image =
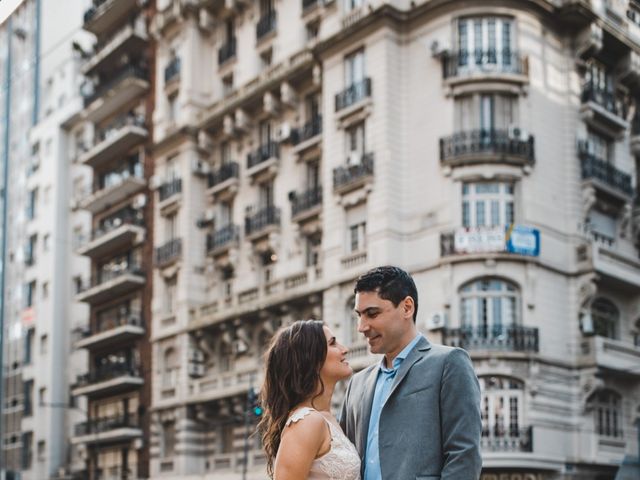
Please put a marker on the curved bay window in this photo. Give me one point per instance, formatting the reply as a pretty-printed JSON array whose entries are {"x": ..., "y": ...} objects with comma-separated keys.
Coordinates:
[
  {"x": 485, "y": 43},
  {"x": 489, "y": 306},
  {"x": 605, "y": 317},
  {"x": 501, "y": 410},
  {"x": 607, "y": 410}
]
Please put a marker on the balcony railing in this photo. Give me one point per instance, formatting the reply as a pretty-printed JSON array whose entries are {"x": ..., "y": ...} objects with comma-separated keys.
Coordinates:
[
  {"x": 487, "y": 142},
  {"x": 172, "y": 71},
  {"x": 227, "y": 51},
  {"x": 308, "y": 3},
  {"x": 91, "y": 12},
  {"x": 309, "y": 130},
  {"x": 130, "y": 71},
  {"x": 128, "y": 120},
  {"x": 260, "y": 220},
  {"x": 115, "y": 223},
  {"x": 301, "y": 202},
  {"x": 170, "y": 188},
  {"x": 168, "y": 252},
  {"x": 263, "y": 153},
  {"x": 112, "y": 322},
  {"x": 513, "y": 338},
  {"x": 511, "y": 439},
  {"x": 606, "y": 99},
  {"x": 107, "y": 372},
  {"x": 348, "y": 174},
  {"x": 105, "y": 424},
  {"x": 490, "y": 61},
  {"x": 115, "y": 473},
  {"x": 593, "y": 167},
  {"x": 104, "y": 276},
  {"x": 222, "y": 237},
  {"x": 266, "y": 24},
  {"x": 225, "y": 172},
  {"x": 353, "y": 94}
]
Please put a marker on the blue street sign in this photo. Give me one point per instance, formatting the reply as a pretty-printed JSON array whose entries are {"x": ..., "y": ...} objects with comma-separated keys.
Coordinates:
[{"x": 523, "y": 240}]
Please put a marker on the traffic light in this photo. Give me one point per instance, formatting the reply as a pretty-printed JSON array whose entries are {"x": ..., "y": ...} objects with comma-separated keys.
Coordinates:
[{"x": 254, "y": 404}]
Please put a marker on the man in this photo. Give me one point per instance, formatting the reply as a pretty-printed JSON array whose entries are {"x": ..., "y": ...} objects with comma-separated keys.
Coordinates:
[{"x": 416, "y": 414}]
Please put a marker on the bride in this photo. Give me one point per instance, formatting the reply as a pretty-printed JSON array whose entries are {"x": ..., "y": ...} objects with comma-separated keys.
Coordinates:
[{"x": 301, "y": 437}]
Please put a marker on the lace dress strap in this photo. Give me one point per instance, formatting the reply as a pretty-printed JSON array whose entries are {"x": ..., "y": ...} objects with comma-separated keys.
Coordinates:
[{"x": 299, "y": 414}]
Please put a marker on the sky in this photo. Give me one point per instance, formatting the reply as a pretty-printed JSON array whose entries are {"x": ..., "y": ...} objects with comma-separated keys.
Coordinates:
[{"x": 6, "y": 7}]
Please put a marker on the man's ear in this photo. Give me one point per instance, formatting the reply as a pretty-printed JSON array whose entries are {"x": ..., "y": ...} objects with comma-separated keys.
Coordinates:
[{"x": 408, "y": 307}]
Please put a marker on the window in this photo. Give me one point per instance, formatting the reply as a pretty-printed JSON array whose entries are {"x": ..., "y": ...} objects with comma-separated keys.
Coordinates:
[
  {"x": 605, "y": 317},
  {"x": 168, "y": 438},
  {"x": 169, "y": 371},
  {"x": 32, "y": 202},
  {"x": 501, "y": 407},
  {"x": 172, "y": 103},
  {"x": 355, "y": 143},
  {"x": 171, "y": 227},
  {"x": 485, "y": 42},
  {"x": 45, "y": 290},
  {"x": 354, "y": 68},
  {"x": 27, "y": 450},
  {"x": 42, "y": 450},
  {"x": 227, "y": 85},
  {"x": 485, "y": 112},
  {"x": 607, "y": 409},
  {"x": 597, "y": 77},
  {"x": 356, "y": 229},
  {"x": 226, "y": 438},
  {"x": 30, "y": 294},
  {"x": 264, "y": 133},
  {"x": 487, "y": 204},
  {"x": 28, "y": 346},
  {"x": 603, "y": 227},
  {"x": 229, "y": 29},
  {"x": 599, "y": 146},
  {"x": 30, "y": 250},
  {"x": 44, "y": 343},
  {"x": 266, "y": 7},
  {"x": 171, "y": 293},
  {"x": 42, "y": 395},
  {"x": 266, "y": 194},
  {"x": 28, "y": 398},
  {"x": 225, "y": 153},
  {"x": 352, "y": 4},
  {"x": 488, "y": 307},
  {"x": 312, "y": 106},
  {"x": 46, "y": 242},
  {"x": 313, "y": 246}
]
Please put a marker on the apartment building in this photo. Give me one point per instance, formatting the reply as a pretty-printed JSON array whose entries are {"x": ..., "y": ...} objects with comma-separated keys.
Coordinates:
[
  {"x": 490, "y": 149},
  {"x": 111, "y": 134}
]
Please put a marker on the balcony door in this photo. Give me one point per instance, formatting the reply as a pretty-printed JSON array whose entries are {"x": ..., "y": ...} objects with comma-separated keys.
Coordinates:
[
  {"x": 485, "y": 43},
  {"x": 488, "y": 307},
  {"x": 501, "y": 407},
  {"x": 354, "y": 68}
]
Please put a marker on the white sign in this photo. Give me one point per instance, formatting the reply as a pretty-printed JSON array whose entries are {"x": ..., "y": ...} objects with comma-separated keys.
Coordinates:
[{"x": 479, "y": 240}]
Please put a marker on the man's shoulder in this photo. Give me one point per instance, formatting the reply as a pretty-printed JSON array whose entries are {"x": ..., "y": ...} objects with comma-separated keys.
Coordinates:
[{"x": 360, "y": 377}]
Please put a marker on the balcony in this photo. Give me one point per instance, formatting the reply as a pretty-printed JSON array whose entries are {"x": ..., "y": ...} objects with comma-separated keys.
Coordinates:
[
  {"x": 353, "y": 94},
  {"x": 112, "y": 379},
  {"x": 169, "y": 189},
  {"x": 261, "y": 223},
  {"x": 111, "y": 284},
  {"x": 121, "y": 232},
  {"x": 222, "y": 385},
  {"x": 108, "y": 430},
  {"x": 306, "y": 204},
  {"x": 113, "y": 331},
  {"x": 227, "y": 51},
  {"x": 224, "y": 180},
  {"x": 168, "y": 253},
  {"x": 507, "y": 440},
  {"x": 130, "y": 39},
  {"x": 103, "y": 15},
  {"x": 220, "y": 241},
  {"x": 308, "y": 135},
  {"x": 604, "y": 176},
  {"x": 267, "y": 24},
  {"x": 615, "y": 358},
  {"x": 115, "y": 93},
  {"x": 354, "y": 174},
  {"x": 119, "y": 189},
  {"x": 115, "y": 472},
  {"x": 487, "y": 146},
  {"x": 485, "y": 65},
  {"x": 263, "y": 158},
  {"x": 117, "y": 139},
  {"x": 604, "y": 109},
  {"x": 513, "y": 338}
]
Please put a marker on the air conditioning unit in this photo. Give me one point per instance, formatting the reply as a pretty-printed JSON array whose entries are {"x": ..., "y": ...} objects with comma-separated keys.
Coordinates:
[
  {"x": 196, "y": 356},
  {"x": 436, "y": 321},
  {"x": 200, "y": 167},
  {"x": 517, "y": 133},
  {"x": 284, "y": 132},
  {"x": 239, "y": 347},
  {"x": 206, "y": 219},
  {"x": 354, "y": 158},
  {"x": 195, "y": 370}
]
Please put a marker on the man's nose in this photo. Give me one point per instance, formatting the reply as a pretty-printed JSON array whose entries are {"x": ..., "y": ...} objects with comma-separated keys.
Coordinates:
[{"x": 363, "y": 326}]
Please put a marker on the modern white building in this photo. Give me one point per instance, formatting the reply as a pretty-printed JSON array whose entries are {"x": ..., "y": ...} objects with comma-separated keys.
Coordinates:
[{"x": 488, "y": 148}]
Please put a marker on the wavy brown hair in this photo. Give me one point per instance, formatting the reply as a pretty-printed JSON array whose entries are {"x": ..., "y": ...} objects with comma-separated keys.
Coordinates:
[{"x": 292, "y": 375}]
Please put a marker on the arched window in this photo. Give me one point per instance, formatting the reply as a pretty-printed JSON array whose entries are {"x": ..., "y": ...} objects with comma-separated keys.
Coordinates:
[
  {"x": 607, "y": 410},
  {"x": 170, "y": 366},
  {"x": 605, "y": 317},
  {"x": 488, "y": 306},
  {"x": 502, "y": 408}
]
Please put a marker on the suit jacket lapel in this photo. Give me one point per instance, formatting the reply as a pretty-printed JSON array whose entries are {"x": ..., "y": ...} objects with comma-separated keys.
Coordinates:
[
  {"x": 414, "y": 355},
  {"x": 367, "y": 402}
]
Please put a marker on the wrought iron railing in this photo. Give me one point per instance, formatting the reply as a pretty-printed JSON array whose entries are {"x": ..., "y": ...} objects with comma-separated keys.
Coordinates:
[
  {"x": 487, "y": 142},
  {"x": 169, "y": 251},
  {"x": 465, "y": 62},
  {"x": 301, "y": 202},
  {"x": 507, "y": 439},
  {"x": 514, "y": 338},
  {"x": 605, "y": 98},
  {"x": 263, "y": 218},
  {"x": 104, "y": 276},
  {"x": 353, "y": 94},
  {"x": 225, "y": 172},
  {"x": 347, "y": 174},
  {"x": 307, "y": 131},
  {"x": 105, "y": 324},
  {"x": 593, "y": 167},
  {"x": 227, "y": 51},
  {"x": 127, "y": 72},
  {"x": 105, "y": 424},
  {"x": 170, "y": 188},
  {"x": 222, "y": 237},
  {"x": 263, "y": 153},
  {"x": 107, "y": 372}
]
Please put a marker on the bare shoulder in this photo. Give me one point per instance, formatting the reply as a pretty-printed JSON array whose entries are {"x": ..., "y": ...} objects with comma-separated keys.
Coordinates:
[{"x": 305, "y": 424}]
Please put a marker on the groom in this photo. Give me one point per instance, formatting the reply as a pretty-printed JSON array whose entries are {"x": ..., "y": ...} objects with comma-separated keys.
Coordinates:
[{"x": 416, "y": 414}]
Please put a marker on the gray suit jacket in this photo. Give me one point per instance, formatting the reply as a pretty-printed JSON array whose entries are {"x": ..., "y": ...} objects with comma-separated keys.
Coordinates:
[{"x": 430, "y": 426}]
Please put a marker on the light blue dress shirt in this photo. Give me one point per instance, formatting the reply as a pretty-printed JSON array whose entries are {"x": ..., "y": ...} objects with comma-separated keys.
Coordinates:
[{"x": 384, "y": 382}]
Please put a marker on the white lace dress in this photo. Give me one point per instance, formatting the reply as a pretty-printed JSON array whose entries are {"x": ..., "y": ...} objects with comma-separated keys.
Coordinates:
[{"x": 341, "y": 462}]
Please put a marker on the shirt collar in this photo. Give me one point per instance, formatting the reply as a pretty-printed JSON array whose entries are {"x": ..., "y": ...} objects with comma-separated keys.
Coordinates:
[{"x": 401, "y": 356}]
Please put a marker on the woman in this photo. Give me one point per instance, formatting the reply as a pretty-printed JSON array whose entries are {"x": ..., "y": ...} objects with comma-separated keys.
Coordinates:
[{"x": 300, "y": 436}]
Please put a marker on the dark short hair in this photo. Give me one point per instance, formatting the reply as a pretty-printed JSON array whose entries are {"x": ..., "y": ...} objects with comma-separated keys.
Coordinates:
[{"x": 390, "y": 283}]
